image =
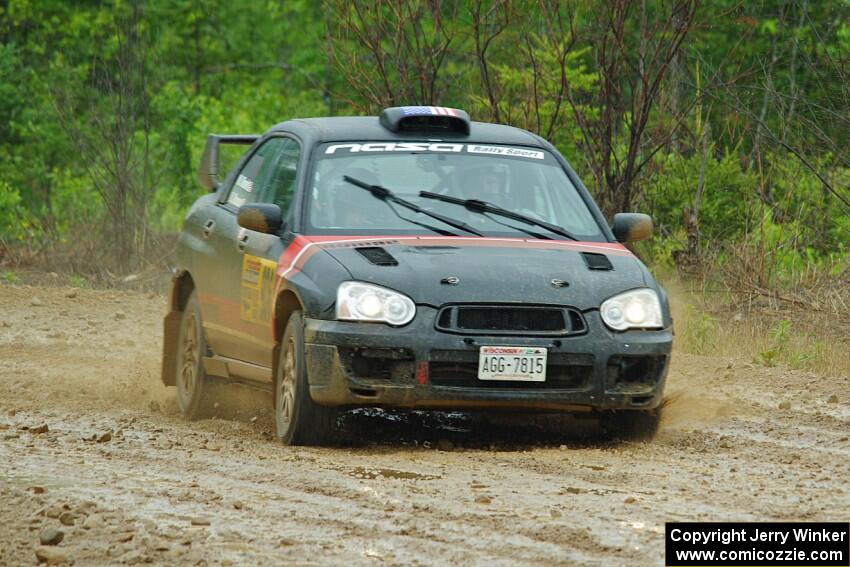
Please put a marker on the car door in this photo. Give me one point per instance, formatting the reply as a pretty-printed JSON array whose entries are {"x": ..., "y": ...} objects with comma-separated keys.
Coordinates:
[
  {"x": 227, "y": 333},
  {"x": 261, "y": 254}
]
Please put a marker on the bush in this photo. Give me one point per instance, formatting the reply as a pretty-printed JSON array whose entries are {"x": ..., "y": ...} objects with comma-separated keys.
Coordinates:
[{"x": 14, "y": 221}]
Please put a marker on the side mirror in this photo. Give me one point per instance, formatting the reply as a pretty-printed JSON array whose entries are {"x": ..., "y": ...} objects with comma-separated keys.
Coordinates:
[
  {"x": 630, "y": 227},
  {"x": 261, "y": 217}
]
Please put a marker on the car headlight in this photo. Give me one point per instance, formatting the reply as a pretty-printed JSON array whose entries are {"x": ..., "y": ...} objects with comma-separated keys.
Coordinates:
[
  {"x": 358, "y": 301},
  {"x": 635, "y": 309}
]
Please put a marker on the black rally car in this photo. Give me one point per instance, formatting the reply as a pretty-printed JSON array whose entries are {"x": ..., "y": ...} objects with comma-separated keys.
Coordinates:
[{"x": 415, "y": 260}]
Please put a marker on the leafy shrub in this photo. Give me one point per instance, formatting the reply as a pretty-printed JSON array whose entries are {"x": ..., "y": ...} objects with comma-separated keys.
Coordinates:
[
  {"x": 14, "y": 219},
  {"x": 779, "y": 335}
]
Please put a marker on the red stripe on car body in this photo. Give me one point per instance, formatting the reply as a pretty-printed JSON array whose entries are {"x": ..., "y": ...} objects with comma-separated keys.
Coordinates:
[{"x": 303, "y": 247}]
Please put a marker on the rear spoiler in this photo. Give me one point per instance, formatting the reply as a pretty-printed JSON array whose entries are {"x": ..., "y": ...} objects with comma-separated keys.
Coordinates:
[{"x": 208, "y": 170}]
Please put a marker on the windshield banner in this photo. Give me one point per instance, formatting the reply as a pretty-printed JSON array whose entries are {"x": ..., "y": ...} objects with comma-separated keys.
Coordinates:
[{"x": 439, "y": 147}]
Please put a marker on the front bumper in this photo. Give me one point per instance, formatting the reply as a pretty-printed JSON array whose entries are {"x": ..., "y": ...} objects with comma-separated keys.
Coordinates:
[{"x": 417, "y": 366}]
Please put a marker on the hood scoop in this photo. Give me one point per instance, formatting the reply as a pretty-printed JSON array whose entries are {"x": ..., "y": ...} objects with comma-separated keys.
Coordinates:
[
  {"x": 596, "y": 261},
  {"x": 377, "y": 255}
]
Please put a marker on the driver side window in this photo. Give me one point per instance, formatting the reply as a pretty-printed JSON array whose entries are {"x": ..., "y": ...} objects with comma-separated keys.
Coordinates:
[
  {"x": 279, "y": 186},
  {"x": 254, "y": 174}
]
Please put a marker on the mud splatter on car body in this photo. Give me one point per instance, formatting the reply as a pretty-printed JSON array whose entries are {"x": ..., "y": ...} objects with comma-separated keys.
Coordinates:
[{"x": 416, "y": 260}]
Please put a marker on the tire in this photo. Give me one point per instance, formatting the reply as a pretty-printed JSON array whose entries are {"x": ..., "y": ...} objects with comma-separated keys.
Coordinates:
[
  {"x": 192, "y": 384},
  {"x": 630, "y": 425},
  {"x": 298, "y": 419}
]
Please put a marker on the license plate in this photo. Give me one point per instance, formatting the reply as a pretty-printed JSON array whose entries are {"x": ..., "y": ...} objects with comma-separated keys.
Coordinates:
[{"x": 522, "y": 364}]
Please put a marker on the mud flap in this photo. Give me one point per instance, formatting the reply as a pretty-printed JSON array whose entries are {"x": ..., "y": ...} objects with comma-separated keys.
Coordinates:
[{"x": 170, "y": 336}]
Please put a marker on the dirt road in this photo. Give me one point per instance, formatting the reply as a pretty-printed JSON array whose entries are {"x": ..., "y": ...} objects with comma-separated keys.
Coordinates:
[{"x": 91, "y": 443}]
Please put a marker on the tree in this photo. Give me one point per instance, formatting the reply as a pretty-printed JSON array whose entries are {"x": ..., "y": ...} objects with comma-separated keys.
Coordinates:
[
  {"x": 393, "y": 53},
  {"x": 633, "y": 47},
  {"x": 114, "y": 138}
]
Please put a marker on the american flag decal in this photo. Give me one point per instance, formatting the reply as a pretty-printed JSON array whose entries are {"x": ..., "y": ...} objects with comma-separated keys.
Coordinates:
[{"x": 428, "y": 111}]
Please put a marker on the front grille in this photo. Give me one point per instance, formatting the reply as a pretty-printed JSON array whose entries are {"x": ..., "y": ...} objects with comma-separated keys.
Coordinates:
[
  {"x": 563, "y": 372},
  {"x": 486, "y": 319},
  {"x": 510, "y": 320}
]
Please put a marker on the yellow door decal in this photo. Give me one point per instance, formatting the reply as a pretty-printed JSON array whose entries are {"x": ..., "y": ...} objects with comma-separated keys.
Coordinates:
[{"x": 257, "y": 287}]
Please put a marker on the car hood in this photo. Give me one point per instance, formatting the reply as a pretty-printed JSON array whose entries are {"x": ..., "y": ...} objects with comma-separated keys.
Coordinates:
[{"x": 489, "y": 270}]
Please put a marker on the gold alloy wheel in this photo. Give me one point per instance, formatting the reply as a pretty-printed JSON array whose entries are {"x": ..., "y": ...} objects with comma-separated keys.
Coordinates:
[
  {"x": 190, "y": 355},
  {"x": 286, "y": 388}
]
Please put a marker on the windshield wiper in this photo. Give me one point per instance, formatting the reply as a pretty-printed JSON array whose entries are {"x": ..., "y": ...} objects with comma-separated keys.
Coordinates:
[
  {"x": 482, "y": 207},
  {"x": 388, "y": 196},
  {"x": 528, "y": 231}
]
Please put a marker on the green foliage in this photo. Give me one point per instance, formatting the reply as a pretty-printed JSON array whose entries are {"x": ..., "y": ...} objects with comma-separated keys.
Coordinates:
[
  {"x": 721, "y": 211},
  {"x": 518, "y": 106},
  {"x": 802, "y": 231},
  {"x": 13, "y": 225},
  {"x": 796, "y": 349},
  {"x": 191, "y": 68},
  {"x": 10, "y": 277},
  {"x": 779, "y": 335}
]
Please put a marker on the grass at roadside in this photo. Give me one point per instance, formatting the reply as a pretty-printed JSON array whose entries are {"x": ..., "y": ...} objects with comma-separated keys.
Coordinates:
[
  {"x": 764, "y": 331},
  {"x": 79, "y": 264}
]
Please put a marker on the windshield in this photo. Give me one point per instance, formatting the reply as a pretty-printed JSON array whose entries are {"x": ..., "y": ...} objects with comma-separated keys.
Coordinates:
[{"x": 528, "y": 181}]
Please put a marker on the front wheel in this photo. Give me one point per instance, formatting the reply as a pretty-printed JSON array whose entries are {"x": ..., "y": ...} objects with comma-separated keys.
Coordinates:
[
  {"x": 298, "y": 419},
  {"x": 191, "y": 380}
]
